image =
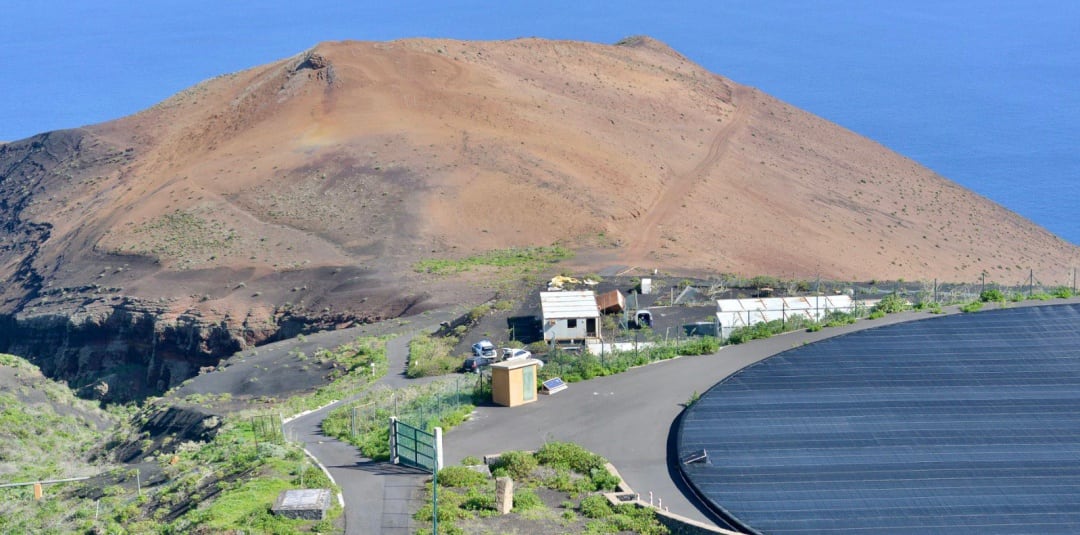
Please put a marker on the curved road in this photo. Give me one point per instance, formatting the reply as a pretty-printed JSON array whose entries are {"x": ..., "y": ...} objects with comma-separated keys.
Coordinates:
[
  {"x": 629, "y": 418},
  {"x": 377, "y": 495}
]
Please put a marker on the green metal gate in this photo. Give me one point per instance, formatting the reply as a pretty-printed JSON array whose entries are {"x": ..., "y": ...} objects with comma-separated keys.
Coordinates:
[{"x": 413, "y": 447}]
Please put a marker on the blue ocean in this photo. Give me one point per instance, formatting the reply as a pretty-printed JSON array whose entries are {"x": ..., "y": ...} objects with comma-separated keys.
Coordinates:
[{"x": 987, "y": 93}]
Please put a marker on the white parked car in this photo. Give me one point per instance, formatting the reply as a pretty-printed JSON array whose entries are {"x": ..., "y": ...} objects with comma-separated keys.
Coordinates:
[{"x": 510, "y": 353}]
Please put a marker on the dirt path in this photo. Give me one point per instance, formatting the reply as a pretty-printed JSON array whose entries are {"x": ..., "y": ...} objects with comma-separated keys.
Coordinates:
[{"x": 671, "y": 197}]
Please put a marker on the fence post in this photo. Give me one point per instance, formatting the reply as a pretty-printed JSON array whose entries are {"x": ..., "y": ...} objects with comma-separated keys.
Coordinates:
[{"x": 393, "y": 440}]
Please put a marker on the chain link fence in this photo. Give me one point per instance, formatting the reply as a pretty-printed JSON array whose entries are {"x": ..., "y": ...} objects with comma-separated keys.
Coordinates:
[{"x": 422, "y": 406}]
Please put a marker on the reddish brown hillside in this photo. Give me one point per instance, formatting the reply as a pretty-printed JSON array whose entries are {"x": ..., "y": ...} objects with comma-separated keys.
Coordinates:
[
  {"x": 314, "y": 184},
  {"x": 356, "y": 152}
]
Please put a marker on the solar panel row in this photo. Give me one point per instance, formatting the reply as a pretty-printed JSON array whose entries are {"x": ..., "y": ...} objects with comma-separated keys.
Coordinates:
[{"x": 957, "y": 424}]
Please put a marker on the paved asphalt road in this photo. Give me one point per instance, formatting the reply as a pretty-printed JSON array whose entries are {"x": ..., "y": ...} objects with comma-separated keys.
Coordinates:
[
  {"x": 378, "y": 496},
  {"x": 630, "y": 418}
]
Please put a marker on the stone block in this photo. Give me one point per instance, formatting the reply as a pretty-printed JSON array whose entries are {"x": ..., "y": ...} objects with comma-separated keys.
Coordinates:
[
  {"x": 306, "y": 504},
  {"x": 504, "y": 495}
]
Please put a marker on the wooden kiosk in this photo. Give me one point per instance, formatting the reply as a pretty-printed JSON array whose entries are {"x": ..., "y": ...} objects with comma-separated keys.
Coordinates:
[{"x": 513, "y": 382}]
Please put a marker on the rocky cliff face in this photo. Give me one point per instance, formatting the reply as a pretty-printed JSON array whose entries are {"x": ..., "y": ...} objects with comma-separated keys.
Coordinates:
[
  {"x": 119, "y": 326},
  {"x": 117, "y": 353},
  {"x": 131, "y": 350}
]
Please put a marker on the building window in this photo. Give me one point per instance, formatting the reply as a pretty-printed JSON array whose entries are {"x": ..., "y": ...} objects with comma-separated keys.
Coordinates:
[{"x": 571, "y": 324}]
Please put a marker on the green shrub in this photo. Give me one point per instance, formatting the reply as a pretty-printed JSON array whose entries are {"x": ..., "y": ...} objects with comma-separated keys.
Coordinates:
[
  {"x": 694, "y": 397},
  {"x": 563, "y": 481},
  {"x": 519, "y": 465},
  {"x": 376, "y": 444},
  {"x": 595, "y": 506},
  {"x": 838, "y": 319},
  {"x": 991, "y": 295},
  {"x": 704, "y": 345},
  {"x": 891, "y": 304},
  {"x": 634, "y": 519},
  {"x": 603, "y": 480},
  {"x": 973, "y": 306},
  {"x": 770, "y": 328},
  {"x": 451, "y": 508},
  {"x": 478, "y": 500},
  {"x": 570, "y": 456},
  {"x": 526, "y": 499},
  {"x": 1062, "y": 292},
  {"x": 877, "y": 314},
  {"x": 764, "y": 281},
  {"x": 461, "y": 477},
  {"x": 471, "y": 461}
]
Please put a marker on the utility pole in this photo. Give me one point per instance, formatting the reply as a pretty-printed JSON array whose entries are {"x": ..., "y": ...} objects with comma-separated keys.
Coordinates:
[
  {"x": 1031, "y": 282},
  {"x": 817, "y": 298}
]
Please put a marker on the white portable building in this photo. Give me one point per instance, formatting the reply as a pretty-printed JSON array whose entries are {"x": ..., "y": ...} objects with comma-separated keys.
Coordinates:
[{"x": 570, "y": 316}]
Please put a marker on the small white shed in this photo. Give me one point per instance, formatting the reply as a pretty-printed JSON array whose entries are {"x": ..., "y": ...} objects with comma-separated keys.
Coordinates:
[{"x": 570, "y": 316}]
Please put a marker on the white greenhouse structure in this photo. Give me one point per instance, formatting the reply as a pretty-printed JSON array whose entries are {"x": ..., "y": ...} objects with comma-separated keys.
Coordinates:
[{"x": 734, "y": 313}]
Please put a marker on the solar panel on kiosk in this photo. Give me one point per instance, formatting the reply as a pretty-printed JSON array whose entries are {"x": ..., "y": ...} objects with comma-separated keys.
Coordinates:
[{"x": 957, "y": 424}]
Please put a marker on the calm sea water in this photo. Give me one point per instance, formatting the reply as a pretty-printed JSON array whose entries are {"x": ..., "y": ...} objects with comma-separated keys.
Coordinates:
[{"x": 986, "y": 93}]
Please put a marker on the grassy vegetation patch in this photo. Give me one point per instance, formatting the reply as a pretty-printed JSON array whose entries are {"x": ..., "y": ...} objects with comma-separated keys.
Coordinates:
[
  {"x": 467, "y": 498},
  {"x": 445, "y": 403},
  {"x": 431, "y": 355},
  {"x": 573, "y": 367},
  {"x": 184, "y": 235},
  {"x": 45, "y": 430},
  {"x": 525, "y": 257}
]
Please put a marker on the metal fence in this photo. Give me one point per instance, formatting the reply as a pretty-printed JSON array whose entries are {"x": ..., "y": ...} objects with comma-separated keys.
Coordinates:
[{"x": 419, "y": 406}]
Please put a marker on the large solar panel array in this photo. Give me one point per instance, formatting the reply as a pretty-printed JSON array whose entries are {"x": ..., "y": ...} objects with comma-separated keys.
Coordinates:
[{"x": 958, "y": 424}]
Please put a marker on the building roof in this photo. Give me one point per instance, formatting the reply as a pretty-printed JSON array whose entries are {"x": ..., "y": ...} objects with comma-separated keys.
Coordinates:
[
  {"x": 517, "y": 363},
  {"x": 569, "y": 305}
]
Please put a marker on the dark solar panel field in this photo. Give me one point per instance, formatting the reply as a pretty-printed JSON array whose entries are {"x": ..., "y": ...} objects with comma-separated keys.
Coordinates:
[{"x": 959, "y": 424}]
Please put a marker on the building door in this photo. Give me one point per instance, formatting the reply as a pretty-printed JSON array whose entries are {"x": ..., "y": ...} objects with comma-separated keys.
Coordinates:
[
  {"x": 590, "y": 327},
  {"x": 528, "y": 383}
]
